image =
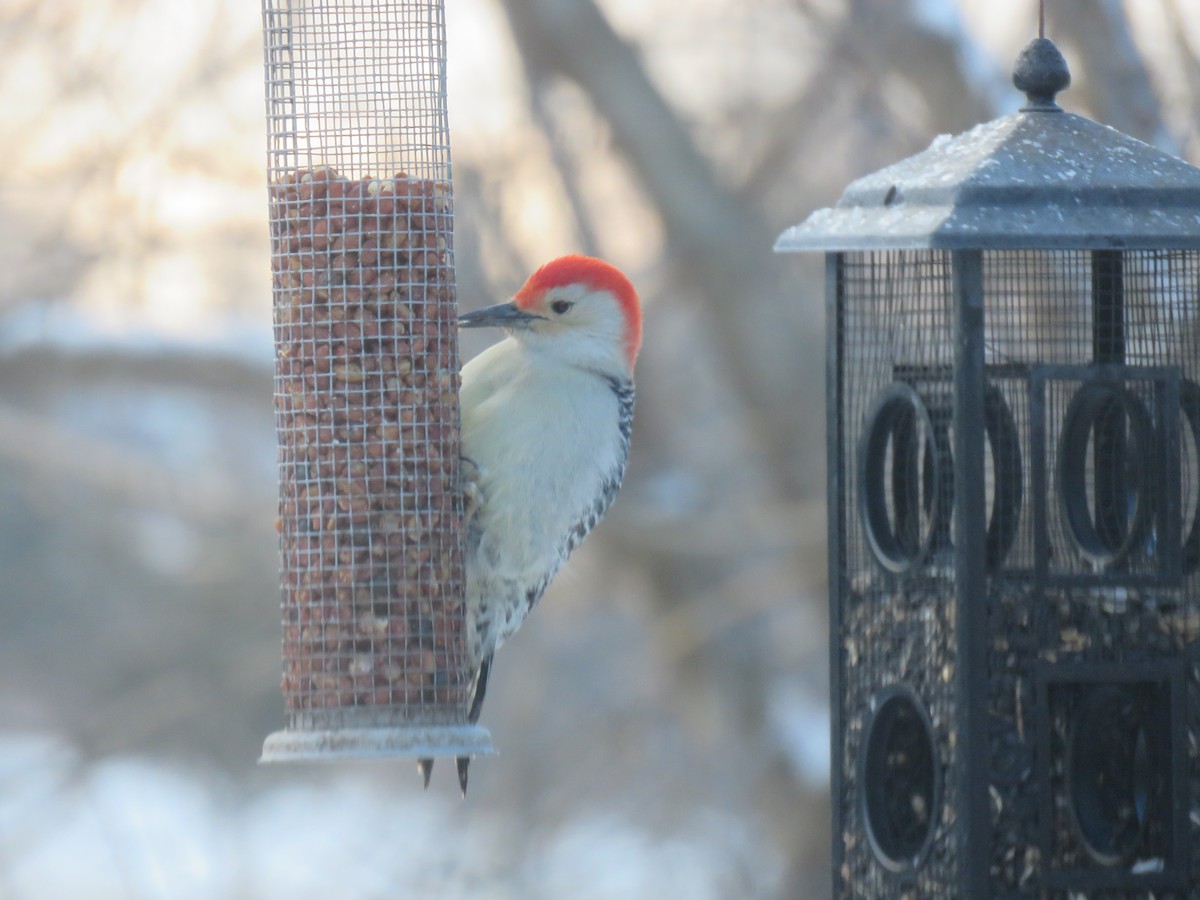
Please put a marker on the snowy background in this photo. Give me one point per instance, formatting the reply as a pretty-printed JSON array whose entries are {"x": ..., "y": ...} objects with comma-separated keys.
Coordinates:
[{"x": 661, "y": 721}]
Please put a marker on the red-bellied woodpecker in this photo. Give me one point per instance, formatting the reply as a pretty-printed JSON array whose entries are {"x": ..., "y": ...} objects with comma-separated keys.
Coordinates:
[{"x": 546, "y": 417}]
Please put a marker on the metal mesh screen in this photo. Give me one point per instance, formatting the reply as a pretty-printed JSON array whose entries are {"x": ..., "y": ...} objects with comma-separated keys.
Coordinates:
[
  {"x": 366, "y": 386},
  {"x": 1106, "y": 348},
  {"x": 1091, "y": 470},
  {"x": 1098, "y": 602},
  {"x": 897, "y": 626}
]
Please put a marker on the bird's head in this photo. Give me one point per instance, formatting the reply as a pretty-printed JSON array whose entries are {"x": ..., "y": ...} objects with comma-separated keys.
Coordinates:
[{"x": 580, "y": 309}]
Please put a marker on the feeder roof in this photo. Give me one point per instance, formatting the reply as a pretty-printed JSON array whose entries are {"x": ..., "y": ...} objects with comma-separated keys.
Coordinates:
[{"x": 1037, "y": 179}]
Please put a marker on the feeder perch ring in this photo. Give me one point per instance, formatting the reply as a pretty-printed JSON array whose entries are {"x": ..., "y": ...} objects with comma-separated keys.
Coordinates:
[
  {"x": 1001, "y": 430},
  {"x": 1110, "y": 775},
  {"x": 1189, "y": 402},
  {"x": 899, "y": 417},
  {"x": 1092, "y": 401},
  {"x": 900, "y": 778}
]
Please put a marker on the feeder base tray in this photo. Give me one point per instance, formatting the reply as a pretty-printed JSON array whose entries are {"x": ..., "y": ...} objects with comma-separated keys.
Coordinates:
[{"x": 408, "y": 742}]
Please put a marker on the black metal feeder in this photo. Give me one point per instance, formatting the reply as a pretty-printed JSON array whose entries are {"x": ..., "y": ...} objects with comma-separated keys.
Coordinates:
[{"x": 1014, "y": 512}]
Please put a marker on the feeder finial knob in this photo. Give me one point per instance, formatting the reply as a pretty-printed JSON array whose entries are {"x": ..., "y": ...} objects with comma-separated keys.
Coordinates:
[{"x": 1041, "y": 72}]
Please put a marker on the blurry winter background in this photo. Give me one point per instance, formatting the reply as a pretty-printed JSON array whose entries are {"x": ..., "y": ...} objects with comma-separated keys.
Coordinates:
[{"x": 662, "y": 719}]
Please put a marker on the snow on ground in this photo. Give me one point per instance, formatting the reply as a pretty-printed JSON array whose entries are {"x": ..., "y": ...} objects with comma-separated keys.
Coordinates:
[{"x": 127, "y": 827}]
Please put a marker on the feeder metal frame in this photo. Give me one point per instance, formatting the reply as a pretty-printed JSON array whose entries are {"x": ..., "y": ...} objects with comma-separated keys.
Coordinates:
[{"x": 1033, "y": 254}]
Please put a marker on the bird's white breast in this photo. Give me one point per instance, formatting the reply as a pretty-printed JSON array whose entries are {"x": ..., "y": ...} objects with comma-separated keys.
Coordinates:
[{"x": 544, "y": 436}]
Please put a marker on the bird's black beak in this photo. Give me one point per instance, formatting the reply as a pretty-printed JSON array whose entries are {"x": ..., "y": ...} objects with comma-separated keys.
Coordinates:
[{"x": 503, "y": 315}]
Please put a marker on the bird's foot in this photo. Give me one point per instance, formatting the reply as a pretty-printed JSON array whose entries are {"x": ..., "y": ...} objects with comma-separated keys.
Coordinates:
[
  {"x": 464, "y": 765},
  {"x": 425, "y": 767}
]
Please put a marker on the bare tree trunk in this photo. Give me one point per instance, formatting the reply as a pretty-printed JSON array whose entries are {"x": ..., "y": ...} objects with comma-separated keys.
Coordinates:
[{"x": 719, "y": 247}]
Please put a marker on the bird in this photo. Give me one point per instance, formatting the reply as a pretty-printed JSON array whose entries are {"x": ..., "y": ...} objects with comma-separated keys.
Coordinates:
[{"x": 547, "y": 415}]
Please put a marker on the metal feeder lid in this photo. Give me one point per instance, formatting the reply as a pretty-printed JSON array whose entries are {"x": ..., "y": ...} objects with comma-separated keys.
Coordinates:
[{"x": 1040, "y": 179}]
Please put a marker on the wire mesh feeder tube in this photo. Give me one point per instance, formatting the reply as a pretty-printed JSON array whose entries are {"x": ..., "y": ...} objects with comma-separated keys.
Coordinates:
[{"x": 366, "y": 382}]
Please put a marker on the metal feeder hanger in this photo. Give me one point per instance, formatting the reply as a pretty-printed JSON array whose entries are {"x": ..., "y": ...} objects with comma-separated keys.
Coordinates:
[
  {"x": 366, "y": 383},
  {"x": 1014, "y": 510}
]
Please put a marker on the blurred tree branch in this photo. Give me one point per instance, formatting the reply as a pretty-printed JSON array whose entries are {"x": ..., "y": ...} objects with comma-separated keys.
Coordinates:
[
  {"x": 47, "y": 450},
  {"x": 888, "y": 40},
  {"x": 720, "y": 247},
  {"x": 48, "y": 447},
  {"x": 1191, "y": 76},
  {"x": 1117, "y": 88},
  {"x": 541, "y": 90},
  {"x": 858, "y": 52}
]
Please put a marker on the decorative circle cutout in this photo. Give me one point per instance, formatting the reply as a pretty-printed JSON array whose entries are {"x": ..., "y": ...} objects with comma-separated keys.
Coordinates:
[
  {"x": 1189, "y": 402},
  {"x": 899, "y": 478},
  {"x": 1008, "y": 486},
  {"x": 1105, "y": 529},
  {"x": 1112, "y": 784},
  {"x": 900, "y": 780}
]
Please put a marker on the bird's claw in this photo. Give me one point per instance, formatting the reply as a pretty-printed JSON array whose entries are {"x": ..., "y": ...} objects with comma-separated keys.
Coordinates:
[{"x": 464, "y": 766}]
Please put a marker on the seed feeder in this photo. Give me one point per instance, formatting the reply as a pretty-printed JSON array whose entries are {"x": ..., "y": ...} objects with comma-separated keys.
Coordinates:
[
  {"x": 1014, "y": 511},
  {"x": 366, "y": 382}
]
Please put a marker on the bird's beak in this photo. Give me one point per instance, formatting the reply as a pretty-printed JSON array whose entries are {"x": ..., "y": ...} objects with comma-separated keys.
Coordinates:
[{"x": 503, "y": 315}]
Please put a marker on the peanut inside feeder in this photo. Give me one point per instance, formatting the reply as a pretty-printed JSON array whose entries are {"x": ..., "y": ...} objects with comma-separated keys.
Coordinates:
[{"x": 367, "y": 412}]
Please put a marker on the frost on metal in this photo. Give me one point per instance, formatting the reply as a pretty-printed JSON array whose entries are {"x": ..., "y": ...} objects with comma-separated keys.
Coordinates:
[
  {"x": 1030, "y": 179},
  {"x": 366, "y": 380}
]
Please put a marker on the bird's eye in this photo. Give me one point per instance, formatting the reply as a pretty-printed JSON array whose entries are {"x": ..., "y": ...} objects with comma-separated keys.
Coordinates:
[{"x": 560, "y": 306}]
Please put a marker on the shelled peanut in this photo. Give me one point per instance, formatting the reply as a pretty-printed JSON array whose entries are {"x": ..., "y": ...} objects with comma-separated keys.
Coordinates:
[{"x": 367, "y": 418}]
